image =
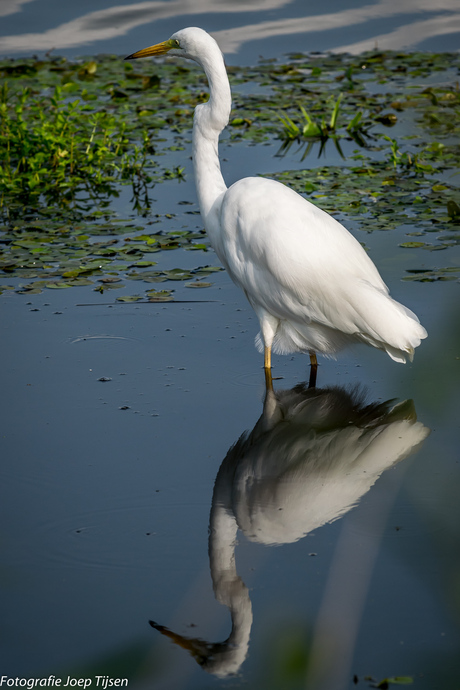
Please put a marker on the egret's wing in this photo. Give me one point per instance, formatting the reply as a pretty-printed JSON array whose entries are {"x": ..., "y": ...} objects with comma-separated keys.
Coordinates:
[
  {"x": 299, "y": 264},
  {"x": 292, "y": 258}
]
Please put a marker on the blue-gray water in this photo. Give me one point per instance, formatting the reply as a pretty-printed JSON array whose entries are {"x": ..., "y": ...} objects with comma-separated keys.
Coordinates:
[
  {"x": 245, "y": 30},
  {"x": 105, "y": 511}
]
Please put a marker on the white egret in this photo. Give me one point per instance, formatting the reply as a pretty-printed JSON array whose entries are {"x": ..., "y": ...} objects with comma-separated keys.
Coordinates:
[{"x": 309, "y": 281}]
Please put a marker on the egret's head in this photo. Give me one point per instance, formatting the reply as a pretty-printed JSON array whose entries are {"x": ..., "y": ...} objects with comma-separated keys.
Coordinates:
[{"x": 192, "y": 43}]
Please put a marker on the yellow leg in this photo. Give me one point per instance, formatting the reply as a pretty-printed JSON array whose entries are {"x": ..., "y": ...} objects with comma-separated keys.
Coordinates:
[
  {"x": 313, "y": 370},
  {"x": 268, "y": 368},
  {"x": 268, "y": 358}
]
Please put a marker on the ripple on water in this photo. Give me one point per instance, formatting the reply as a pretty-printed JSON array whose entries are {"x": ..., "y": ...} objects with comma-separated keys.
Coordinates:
[{"x": 85, "y": 338}]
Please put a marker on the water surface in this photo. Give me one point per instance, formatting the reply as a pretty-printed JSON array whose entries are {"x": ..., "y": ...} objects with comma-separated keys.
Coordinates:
[
  {"x": 119, "y": 425},
  {"x": 245, "y": 30}
]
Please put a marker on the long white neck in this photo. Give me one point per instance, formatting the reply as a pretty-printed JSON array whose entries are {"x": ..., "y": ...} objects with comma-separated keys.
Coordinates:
[{"x": 209, "y": 121}]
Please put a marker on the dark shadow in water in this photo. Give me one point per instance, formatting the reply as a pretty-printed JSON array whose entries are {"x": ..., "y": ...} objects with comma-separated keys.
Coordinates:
[{"x": 309, "y": 459}]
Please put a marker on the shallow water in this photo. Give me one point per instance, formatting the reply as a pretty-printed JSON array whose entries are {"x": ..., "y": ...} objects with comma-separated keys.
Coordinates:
[
  {"x": 108, "y": 485},
  {"x": 118, "y": 422}
]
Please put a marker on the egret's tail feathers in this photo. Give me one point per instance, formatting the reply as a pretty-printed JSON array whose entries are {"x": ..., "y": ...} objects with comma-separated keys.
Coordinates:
[
  {"x": 398, "y": 355},
  {"x": 375, "y": 319},
  {"x": 391, "y": 326}
]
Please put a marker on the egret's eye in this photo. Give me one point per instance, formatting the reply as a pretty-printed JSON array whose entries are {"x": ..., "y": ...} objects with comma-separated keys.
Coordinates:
[{"x": 175, "y": 43}]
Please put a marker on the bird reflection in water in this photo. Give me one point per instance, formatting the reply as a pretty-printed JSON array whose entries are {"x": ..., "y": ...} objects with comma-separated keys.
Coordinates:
[{"x": 309, "y": 459}]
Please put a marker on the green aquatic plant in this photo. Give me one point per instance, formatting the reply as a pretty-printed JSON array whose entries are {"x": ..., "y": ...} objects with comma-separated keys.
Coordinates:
[
  {"x": 407, "y": 160},
  {"x": 313, "y": 129},
  {"x": 46, "y": 254},
  {"x": 310, "y": 127},
  {"x": 55, "y": 148},
  {"x": 72, "y": 133},
  {"x": 291, "y": 130}
]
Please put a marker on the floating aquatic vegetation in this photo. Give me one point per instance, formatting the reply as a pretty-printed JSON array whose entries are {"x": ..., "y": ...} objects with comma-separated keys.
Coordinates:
[
  {"x": 151, "y": 295},
  {"x": 66, "y": 255},
  {"x": 73, "y": 132},
  {"x": 382, "y": 198},
  {"x": 431, "y": 275}
]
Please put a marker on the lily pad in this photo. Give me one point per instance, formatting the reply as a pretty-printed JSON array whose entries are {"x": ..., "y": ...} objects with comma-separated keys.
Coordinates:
[
  {"x": 394, "y": 680},
  {"x": 159, "y": 295},
  {"x": 57, "y": 223},
  {"x": 177, "y": 274},
  {"x": 129, "y": 298},
  {"x": 198, "y": 284}
]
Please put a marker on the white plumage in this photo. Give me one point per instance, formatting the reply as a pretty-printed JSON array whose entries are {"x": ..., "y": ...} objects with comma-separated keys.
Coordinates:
[
  {"x": 311, "y": 457},
  {"x": 311, "y": 284}
]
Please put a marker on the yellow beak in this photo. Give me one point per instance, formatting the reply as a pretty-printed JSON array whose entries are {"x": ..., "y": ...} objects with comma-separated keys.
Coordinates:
[{"x": 158, "y": 49}]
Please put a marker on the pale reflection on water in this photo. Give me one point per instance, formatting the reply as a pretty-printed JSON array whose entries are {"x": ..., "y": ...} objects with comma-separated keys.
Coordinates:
[
  {"x": 310, "y": 458},
  {"x": 120, "y": 28},
  {"x": 443, "y": 18}
]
